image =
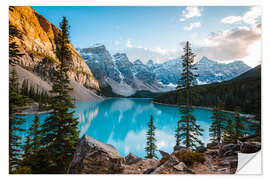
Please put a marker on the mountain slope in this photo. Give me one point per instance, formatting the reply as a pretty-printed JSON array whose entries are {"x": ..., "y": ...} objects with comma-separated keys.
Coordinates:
[
  {"x": 210, "y": 71},
  {"x": 117, "y": 73},
  {"x": 38, "y": 45},
  {"x": 243, "y": 91}
]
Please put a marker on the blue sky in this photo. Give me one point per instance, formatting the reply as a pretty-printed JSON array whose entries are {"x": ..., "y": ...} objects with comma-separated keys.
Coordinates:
[{"x": 156, "y": 32}]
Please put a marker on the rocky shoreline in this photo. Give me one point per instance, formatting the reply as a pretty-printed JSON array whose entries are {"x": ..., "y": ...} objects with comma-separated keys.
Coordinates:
[{"x": 95, "y": 157}]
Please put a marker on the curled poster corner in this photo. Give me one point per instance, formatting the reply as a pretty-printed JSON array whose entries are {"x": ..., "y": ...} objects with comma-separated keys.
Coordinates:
[{"x": 249, "y": 163}]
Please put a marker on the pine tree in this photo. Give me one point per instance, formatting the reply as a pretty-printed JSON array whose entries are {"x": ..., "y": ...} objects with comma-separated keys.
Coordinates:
[
  {"x": 60, "y": 133},
  {"x": 217, "y": 127},
  {"x": 177, "y": 134},
  {"x": 239, "y": 126},
  {"x": 189, "y": 130},
  {"x": 229, "y": 132},
  {"x": 257, "y": 127},
  {"x": 16, "y": 102},
  {"x": 150, "y": 143}
]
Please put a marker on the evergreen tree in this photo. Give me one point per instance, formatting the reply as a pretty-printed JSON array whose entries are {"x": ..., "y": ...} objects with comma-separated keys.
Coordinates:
[
  {"x": 217, "y": 127},
  {"x": 16, "y": 102},
  {"x": 150, "y": 143},
  {"x": 177, "y": 134},
  {"x": 189, "y": 130},
  {"x": 60, "y": 133},
  {"x": 229, "y": 132},
  {"x": 32, "y": 147},
  {"x": 239, "y": 126},
  {"x": 257, "y": 127}
]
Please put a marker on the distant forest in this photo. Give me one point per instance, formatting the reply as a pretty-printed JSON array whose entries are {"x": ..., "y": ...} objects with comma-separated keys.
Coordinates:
[{"x": 243, "y": 91}]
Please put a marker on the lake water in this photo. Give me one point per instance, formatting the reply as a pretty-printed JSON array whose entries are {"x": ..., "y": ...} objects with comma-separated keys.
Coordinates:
[{"x": 122, "y": 123}]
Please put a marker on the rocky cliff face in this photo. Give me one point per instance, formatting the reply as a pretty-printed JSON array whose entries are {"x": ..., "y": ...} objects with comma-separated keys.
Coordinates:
[
  {"x": 38, "y": 46},
  {"x": 124, "y": 77}
]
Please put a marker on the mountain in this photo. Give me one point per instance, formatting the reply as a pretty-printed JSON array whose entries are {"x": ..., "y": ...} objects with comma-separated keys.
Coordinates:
[
  {"x": 117, "y": 73},
  {"x": 243, "y": 91},
  {"x": 38, "y": 45},
  {"x": 209, "y": 71}
]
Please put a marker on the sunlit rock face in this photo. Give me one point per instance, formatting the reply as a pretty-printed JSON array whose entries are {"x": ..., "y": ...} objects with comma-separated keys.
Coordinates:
[{"x": 38, "y": 46}]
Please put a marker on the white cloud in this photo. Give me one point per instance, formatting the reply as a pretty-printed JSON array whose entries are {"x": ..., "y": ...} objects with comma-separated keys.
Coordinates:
[
  {"x": 192, "y": 25},
  {"x": 249, "y": 17},
  {"x": 233, "y": 44},
  {"x": 117, "y": 43},
  {"x": 128, "y": 44},
  {"x": 157, "y": 54},
  {"x": 231, "y": 19},
  {"x": 190, "y": 12},
  {"x": 194, "y": 35}
]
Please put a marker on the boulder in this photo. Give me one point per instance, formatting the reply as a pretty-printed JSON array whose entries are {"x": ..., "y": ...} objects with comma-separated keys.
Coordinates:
[
  {"x": 230, "y": 149},
  {"x": 212, "y": 145},
  {"x": 163, "y": 153},
  {"x": 249, "y": 147},
  {"x": 131, "y": 159},
  {"x": 180, "y": 166},
  {"x": 213, "y": 154},
  {"x": 150, "y": 170},
  {"x": 94, "y": 157},
  {"x": 201, "y": 149},
  {"x": 172, "y": 166}
]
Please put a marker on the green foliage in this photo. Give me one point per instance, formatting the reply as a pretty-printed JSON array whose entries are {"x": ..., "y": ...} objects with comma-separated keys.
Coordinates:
[
  {"x": 217, "y": 126},
  {"x": 150, "y": 140},
  {"x": 243, "y": 91},
  {"x": 189, "y": 130},
  {"x": 32, "y": 147},
  {"x": 233, "y": 131},
  {"x": 14, "y": 52},
  {"x": 59, "y": 131},
  {"x": 229, "y": 133},
  {"x": 177, "y": 134},
  {"x": 239, "y": 126},
  {"x": 190, "y": 157},
  {"x": 16, "y": 102}
]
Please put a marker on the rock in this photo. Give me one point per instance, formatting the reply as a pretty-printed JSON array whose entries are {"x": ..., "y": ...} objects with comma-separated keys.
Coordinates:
[
  {"x": 180, "y": 166},
  {"x": 167, "y": 167},
  {"x": 230, "y": 149},
  {"x": 224, "y": 170},
  {"x": 38, "y": 48},
  {"x": 212, "y": 145},
  {"x": 201, "y": 149},
  {"x": 163, "y": 154},
  {"x": 172, "y": 166},
  {"x": 233, "y": 163},
  {"x": 150, "y": 170},
  {"x": 230, "y": 153},
  {"x": 213, "y": 154},
  {"x": 179, "y": 148},
  {"x": 249, "y": 147},
  {"x": 141, "y": 166},
  {"x": 95, "y": 157},
  {"x": 131, "y": 159}
]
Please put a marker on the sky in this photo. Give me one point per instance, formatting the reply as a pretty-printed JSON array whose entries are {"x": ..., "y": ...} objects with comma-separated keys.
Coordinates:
[{"x": 220, "y": 33}]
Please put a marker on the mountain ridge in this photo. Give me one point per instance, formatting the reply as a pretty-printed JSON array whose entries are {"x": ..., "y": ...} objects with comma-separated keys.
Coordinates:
[
  {"x": 161, "y": 77},
  {"x": 38, "y": 46}
]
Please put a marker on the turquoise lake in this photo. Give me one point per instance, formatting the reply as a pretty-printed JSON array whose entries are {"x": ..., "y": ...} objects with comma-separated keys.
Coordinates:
[{"x": 122, "y": 122}]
